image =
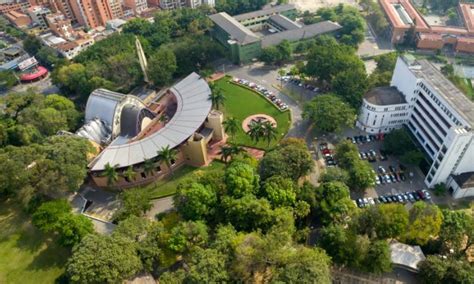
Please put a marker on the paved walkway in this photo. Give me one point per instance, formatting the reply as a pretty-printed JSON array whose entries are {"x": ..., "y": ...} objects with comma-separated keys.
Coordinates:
[{"x": 159, "y": 206}]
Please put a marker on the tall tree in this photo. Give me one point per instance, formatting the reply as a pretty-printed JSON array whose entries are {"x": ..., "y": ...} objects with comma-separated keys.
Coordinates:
[
  {"x": 103, "y": 259},
  {"x": 256, "y": 131},
  {"x": 425, "y": 222},
  {"x": 329, "y": 113},
  {"x": 162, "y": 66},
  {"x": 168, "y": 156},
  {"x": 216, "y": 97},
  {"x": 333, "y": 202},
  {"x": 195, "y": 201},
  {"x": 270, "y": 132},
  {"x": 110, "y": 172},
  {"x": 231, "y": 126}
]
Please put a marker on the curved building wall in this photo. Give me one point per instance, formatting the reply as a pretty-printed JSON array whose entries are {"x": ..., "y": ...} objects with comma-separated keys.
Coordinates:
[{"x": 381, "y": 119}]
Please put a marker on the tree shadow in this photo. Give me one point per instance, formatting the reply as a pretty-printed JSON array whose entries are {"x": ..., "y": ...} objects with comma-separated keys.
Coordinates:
[{"x": 51, "y": 256}]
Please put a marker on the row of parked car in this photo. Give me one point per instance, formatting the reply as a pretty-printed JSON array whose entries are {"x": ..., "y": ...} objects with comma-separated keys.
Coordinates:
[
  {"x": 392, "y": 175},
  {"x": 327, "y": 154},
  {"x": 262, "y": 90},
  {"x": 412, "y": 196},
  {"x": 372, "y": 156},
  {"x": 361, "y": 139},
  {"x": 298, "y": 82}
]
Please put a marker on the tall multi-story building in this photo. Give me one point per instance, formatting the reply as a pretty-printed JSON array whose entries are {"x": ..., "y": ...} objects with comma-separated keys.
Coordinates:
[
  {"x": 438, "y": 115},
  {"x": 137, "y": 6},
  {"x": 38, "y": 15},
  {"x": 63, "y": 6},
  {"x": 116, "y": 8},
  {"x": 60, "y": 26},
  {"x": 172, "y": 4},
  {"x": 92, "y": 13}
]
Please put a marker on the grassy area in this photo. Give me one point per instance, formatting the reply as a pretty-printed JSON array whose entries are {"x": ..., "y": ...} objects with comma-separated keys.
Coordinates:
[
  {"x": 241, "y": 103},
  {"x": 27, "y": 255},
  {"x": 168, "y": 186}
]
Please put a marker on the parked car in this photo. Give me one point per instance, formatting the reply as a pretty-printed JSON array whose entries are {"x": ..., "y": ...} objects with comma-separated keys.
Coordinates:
[
  {"x": 427, "y": 194},
  {"x": 421, "y": 194},
  {"x": 411, "y": 197},
  {"x": 363, "y": 155},
  {"x": 371, "y": 201},
  {"x": 381, "y": 170}
]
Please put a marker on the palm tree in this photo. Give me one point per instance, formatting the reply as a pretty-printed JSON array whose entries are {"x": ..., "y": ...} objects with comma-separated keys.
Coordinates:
[
  {"x": 229, "y": 151},
  {"x": 111, "y": 173},
  {"x": 270, "y": 132},
  {"x": 231, "y": 125},
  {"x": 167, "y": 156},
  {"x": 256, "y": 131},
  {"x": 129, "y": 174},
  {"x": 216, "y": 96},
  {"x": 148, "y": 166},
  {"x": 225, "y": 153}
]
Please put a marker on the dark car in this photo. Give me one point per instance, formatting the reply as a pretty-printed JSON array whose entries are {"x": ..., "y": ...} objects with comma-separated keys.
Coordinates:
[
  {"x": 416, "y": 196},
  {"x": 421, "y": 194},
  {"x": 392, "y": 169}
]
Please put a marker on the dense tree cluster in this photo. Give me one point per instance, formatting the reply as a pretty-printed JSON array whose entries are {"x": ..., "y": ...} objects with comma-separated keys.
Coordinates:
[
  {"x": 56, "y": 216},
  {"x": 360, "y": 172},
  {"x": 398, "y": 142},
  {"x": 329, "y": 113},
  {"x": 234, "y": 7},
  {"x": 382, "y": 75},
  {"x": 35, "y": 164},
  {"x": 229, "y": 226},
  {"x": 352, "y": 22},
  {"x": 175, "y": 45},
  {"x": 337, "y": 68},
  {"x": 375, "y": 16}
]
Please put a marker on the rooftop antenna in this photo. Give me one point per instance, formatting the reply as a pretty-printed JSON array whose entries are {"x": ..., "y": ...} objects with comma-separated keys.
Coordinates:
[{"x": 142, "y": 59}]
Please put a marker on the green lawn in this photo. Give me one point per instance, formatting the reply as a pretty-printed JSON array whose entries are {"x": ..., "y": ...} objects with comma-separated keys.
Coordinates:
[
  {"x": 168, "y": 186},
  {"x": 241, "y": 103},
  {"x": 27, "y": 255}
]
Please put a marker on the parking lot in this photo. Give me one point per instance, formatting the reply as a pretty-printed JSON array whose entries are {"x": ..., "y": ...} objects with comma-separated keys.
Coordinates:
[{"x": 394, "y": 178}]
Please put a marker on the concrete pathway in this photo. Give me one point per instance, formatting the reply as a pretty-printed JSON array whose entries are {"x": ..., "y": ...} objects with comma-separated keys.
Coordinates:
[{"x": 159, "y": 206}]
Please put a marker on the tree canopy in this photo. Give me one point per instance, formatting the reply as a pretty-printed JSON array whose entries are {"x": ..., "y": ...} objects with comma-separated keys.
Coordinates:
[{"x": 329, "y": 113}]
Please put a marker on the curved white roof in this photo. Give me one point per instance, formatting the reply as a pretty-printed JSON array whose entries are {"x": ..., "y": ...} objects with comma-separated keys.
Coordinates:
[
  {"x": 102, "y": 104},
  {"x": 193, "y": 107}
]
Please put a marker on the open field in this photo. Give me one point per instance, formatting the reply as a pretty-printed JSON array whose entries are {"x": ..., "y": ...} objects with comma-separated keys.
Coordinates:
[
  {"x": 241, "y": 103},
  {"x": 313, "y": 5},
  {"x": 168, "y": 185},
  {"x": 27, "y": 255}
]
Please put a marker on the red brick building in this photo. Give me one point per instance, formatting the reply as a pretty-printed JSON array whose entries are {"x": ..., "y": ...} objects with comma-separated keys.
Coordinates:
[{"x": 402, "y": 16}]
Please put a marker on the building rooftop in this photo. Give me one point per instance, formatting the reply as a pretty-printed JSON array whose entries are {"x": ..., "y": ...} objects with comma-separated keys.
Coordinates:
[
  {"x": 236, "y": 30},
  {"x": 265, "y": 12},
  {"x": 445, "y": 88},
  {"x": 303, "y": 33},
  {"x": 465, "y": 180},
  {"x": 401, "y": 13},
  {"x": 384, "y": 96},
  {"x": 193, "y": 107},
  {"x": 467, "y": 11},
  {"x": 284, "y": 22},
  {"x": 406, "y": 256}
]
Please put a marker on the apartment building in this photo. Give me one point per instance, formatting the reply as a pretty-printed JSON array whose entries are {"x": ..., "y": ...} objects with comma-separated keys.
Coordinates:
[
  {"x": 92, "y": 13},
  {"x": 137, "y": 6},
  {"x": 116, "y": 8},
  {"x": 38, "y": 15},
  {"x": 172, "y": 4},
  {"x": 439, "y": 116}
]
